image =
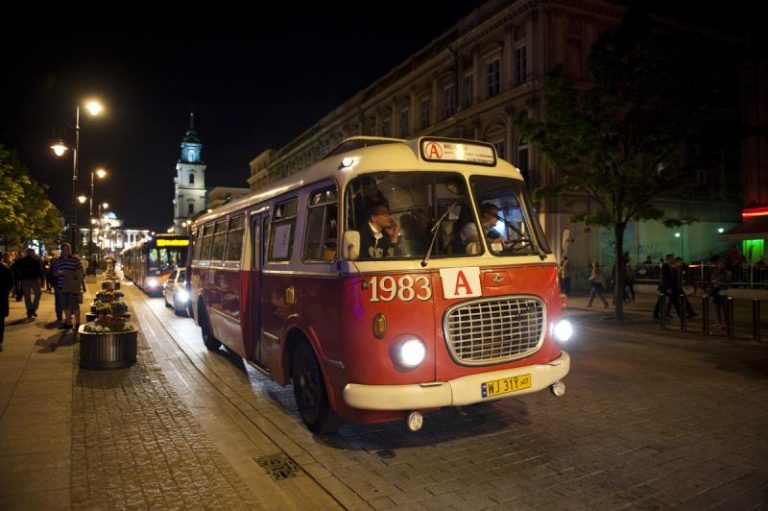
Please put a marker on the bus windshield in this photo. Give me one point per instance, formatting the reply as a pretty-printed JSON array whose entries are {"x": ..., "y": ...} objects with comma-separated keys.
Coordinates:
[
  {"x": 398, "y": 214},
  {"x": 162, "y": 260}
]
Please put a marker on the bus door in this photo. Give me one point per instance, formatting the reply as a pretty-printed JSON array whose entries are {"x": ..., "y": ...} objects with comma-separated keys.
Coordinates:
[{"x": 252, "y": 304}]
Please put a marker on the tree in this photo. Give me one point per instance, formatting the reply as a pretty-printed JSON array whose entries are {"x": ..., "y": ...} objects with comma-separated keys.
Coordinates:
[
  {"x": 26, "y": 213},
  {"x": 618, "y": 139}
]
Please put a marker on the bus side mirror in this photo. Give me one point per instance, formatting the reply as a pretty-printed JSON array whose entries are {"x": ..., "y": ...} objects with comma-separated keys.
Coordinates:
[{"x": 351, "y": 245}]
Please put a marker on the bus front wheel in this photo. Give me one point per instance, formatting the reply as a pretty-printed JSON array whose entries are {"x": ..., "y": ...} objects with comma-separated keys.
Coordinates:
[
  {"x": 309, "y": 391},
  {"x": 212, "y": 343}
]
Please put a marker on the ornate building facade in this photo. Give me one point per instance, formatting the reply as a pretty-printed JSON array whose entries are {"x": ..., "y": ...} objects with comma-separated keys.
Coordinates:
[
  {"x": 189, "y": 183},
  {"x": 471, "y": 81}
]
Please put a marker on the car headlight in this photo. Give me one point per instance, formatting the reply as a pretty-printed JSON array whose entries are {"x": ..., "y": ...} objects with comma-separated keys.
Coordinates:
[
  {"x": 182, "y": 295},
  {"x": 563, "y": 330},
  {"x": 409, "y": 352}
]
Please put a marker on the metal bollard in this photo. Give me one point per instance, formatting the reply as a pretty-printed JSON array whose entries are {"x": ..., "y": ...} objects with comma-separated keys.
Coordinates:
[
  {"x": 683, "y": 313},
  {"x": 756, "y": 320},
  {"x": 663, "y": 310},
  {"x": 705, "y": 314},
  {"x": 729, "y": 314}
]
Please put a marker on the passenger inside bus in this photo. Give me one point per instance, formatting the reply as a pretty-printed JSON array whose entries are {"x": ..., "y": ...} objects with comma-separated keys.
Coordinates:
[
  {"x": 489, "y": 217},
  {"x": 415, "y": 226},
  {"x": 379, "y": 237},
  {"x": 366, "y": 196}
]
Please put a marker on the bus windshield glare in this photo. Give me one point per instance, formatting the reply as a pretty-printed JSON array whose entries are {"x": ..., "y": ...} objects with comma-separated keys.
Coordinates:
[{"x": 399, "y": 214}]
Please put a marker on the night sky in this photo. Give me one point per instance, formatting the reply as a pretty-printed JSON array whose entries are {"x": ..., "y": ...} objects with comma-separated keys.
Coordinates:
[{"x": 254, "y": 80}]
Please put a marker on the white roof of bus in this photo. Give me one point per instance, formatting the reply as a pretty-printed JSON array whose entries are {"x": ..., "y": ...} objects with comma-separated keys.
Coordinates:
[{"x": 385, "y": 154}]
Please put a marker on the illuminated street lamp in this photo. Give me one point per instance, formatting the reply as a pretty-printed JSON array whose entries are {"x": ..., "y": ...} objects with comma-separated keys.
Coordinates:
[
  {"x": 59, "y": 148},
  {"x": 101, "y": 173}
]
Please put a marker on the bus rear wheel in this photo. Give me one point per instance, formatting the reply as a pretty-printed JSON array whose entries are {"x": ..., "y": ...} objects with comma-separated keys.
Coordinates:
[
  {"x": 309, "y": 392},
  {"x": 212, "y": 343}
]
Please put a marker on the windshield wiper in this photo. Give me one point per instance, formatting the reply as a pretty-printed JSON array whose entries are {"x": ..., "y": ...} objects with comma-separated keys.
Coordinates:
[{"x": 435, "y": 230}]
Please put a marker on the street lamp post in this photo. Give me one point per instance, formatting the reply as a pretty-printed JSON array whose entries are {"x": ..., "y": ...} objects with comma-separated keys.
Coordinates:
[
  {"x": 92, "y": 267},
  {"x": 100, "y": 222},
  {"x": 95, "y": 108}
]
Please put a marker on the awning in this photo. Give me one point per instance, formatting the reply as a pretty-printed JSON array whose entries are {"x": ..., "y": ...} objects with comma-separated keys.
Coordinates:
[{"x": 753, "y": 229}]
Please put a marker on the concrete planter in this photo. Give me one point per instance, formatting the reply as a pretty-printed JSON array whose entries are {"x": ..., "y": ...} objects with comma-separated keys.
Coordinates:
[{"x": 107, "y": 350}]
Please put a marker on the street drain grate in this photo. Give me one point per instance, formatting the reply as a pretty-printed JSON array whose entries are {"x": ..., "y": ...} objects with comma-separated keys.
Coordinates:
[{"x": 279, "y": 466}]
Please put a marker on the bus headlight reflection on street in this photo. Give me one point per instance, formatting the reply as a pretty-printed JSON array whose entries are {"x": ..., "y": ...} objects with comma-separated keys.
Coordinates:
[
  {"x": 563, "y": 330},
  {"x": 410, "y": 352}
]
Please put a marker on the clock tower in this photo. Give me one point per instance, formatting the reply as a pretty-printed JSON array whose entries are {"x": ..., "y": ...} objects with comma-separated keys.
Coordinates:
[{"x": 189, "y": 183}]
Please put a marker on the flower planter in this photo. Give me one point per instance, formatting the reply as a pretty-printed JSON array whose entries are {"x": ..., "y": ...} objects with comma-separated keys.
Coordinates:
[
  {"x": 107, "y": 350},
  {"x": 110, "y": 284},
  {"x": 91, "y": 316}
]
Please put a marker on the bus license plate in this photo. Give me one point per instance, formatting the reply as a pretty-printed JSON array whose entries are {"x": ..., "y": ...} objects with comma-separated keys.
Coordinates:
[{"x": 506, "y": 385}]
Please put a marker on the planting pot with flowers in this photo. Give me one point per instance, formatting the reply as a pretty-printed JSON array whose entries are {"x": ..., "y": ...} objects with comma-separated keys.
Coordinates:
[{"x": 108, "y": 342}]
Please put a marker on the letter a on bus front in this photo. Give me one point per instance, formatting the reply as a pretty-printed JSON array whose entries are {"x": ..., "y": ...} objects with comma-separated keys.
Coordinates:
[{"x": 461, "y": 282}]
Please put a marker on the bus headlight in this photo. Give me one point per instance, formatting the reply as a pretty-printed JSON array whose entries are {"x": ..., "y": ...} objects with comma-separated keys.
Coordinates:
[
  {"x": 182, "y": 295},
  {"x": 410, "y": 352},
  {"x": 152, "y": 282},
  {"x": 563, "y": 330}
]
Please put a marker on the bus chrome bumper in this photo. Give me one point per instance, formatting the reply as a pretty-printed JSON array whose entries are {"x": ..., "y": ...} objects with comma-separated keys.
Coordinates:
[{"x": 461, "y": 391}]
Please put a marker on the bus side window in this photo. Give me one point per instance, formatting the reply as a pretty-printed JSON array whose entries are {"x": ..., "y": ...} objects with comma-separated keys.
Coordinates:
[
  {"x": 320, "y": 240},
  {"x": 219, "y": 237},
  {"x": 207, "y": 243},
  {"x": 235, "y": 238},
  {"x": 282, "y": 230}
]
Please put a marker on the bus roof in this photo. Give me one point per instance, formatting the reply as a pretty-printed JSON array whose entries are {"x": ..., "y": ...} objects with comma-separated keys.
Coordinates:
[{"x": 357, "y": 155}]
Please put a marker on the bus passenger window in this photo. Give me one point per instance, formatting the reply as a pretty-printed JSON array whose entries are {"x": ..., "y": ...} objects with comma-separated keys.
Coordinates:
[
  {"x": 281, "y": 231},
  {"x": 235, "y": 238},
  {"x": 320, "y": 238},
  {"x": 219, "y": 236}
]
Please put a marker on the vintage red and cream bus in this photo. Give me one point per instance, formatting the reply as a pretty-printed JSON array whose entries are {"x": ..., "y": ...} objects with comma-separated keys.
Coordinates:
[
  {"x": 149, "y": 263},
  {"x": 291, "y": 280}
]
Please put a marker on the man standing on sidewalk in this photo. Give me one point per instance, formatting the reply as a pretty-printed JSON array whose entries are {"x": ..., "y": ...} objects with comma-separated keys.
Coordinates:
[
  {"x": 30, "y": 271},
  {"x": 69, "y": 271}
]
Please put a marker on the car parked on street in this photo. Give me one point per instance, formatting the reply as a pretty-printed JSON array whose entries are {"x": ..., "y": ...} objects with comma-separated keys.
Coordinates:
[{"x": 175, "y": 292}]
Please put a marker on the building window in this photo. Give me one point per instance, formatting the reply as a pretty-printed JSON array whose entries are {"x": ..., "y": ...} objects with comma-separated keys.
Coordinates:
[
  {"x": 469, "y": 90},
  {"x": 448, "y": 100},
  {"x": 191, "y": 179},
  {"x": 386, "y": 130},
  {"x": 492, "y": 78},
  {"x": 190, "y": 209},
  {"x": 521, "y": 65},
  {"x": 425, "y": 107},
  {"x": 404, "y": 123}
]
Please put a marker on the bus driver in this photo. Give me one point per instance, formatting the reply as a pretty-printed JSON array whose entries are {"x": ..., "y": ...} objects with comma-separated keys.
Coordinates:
[
  {"x": 378, "y": 238},
  {"x": 489, "y": 216}
]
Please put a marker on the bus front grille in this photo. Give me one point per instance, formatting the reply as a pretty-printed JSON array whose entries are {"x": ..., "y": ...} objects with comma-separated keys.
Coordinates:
[{"x": 494, "y": 330}]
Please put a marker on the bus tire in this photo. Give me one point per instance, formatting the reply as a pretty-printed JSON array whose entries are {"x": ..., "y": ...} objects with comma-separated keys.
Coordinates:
[
  {"x": 212, "y": 343},
  {"x": 309, "y": 392}
]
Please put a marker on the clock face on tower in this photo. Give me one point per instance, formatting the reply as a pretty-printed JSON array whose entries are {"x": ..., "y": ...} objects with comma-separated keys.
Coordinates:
[{"x": 191, "y": 154}]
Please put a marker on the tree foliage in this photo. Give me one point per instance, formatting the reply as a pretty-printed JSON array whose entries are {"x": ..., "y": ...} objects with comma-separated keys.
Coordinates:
[
  {"x": 617, "y": 140},
  {"x": 26, "y": 213}
]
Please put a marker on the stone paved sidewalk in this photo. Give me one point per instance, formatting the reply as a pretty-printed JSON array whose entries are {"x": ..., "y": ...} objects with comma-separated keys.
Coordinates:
[{"x": 135, "y": 446}]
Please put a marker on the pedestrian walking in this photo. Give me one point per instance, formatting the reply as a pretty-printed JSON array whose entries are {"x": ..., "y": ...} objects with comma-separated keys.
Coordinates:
[
  {"x": 29, "y": 270},
  {"x": 597, "y": 279},
  {"x": 6, "y": 284}
]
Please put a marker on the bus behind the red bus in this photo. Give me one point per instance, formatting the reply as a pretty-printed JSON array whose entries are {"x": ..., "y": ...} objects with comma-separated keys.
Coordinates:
[{"x": 149, "y": 263}]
